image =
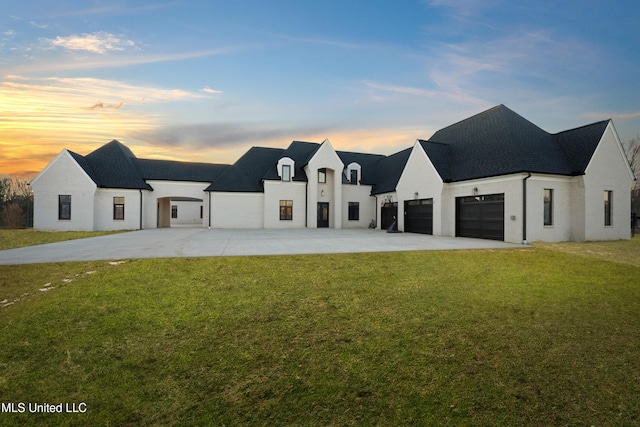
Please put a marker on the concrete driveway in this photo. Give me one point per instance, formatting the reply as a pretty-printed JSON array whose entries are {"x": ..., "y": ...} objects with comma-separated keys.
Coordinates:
[{"x": 202, "y": 242}]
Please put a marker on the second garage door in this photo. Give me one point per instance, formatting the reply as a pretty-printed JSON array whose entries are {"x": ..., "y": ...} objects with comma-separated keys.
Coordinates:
[
  {"x": 418, "y": 216},
  {"x": 480, "y": 216}
]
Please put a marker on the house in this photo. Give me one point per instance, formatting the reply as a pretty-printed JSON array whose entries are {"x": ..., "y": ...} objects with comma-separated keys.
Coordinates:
[{"x": 494, "y": 175}]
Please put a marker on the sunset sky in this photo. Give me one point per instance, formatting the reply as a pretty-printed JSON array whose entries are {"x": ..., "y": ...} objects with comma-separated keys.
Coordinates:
[{"x": 205, "y": 80}]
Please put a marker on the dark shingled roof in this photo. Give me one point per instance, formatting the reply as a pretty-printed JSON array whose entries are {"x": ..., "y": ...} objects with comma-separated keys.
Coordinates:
[
  {"x": 298, "y": 151},
  {"x": 500, "y": 142},
  {"x": 246, "y": 174},
  {"x": 367, "y": 162},
  {"x": 169, "y": 170},
  {"x": 492, "y": 143},
  {"x": 388, "y": 171},
  {"x": 114, "y": 166},
  {"x": 578, "y": 145}
]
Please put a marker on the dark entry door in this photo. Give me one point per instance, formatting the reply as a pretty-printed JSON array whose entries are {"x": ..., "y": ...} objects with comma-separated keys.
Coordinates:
[
  {"x": 323, "y": 214},
  {"x": 388, "y": 214},
  {"x": 480, "y": 216},
  {"x": 418, "y": 216}
]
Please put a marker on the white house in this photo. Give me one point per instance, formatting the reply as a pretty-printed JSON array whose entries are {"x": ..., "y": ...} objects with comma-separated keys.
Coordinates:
[{"x": 494, "y": 175}]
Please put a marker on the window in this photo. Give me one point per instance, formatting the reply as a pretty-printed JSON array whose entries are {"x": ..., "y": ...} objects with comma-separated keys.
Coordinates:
[
  {"x": 286, "y": 172},
  {"x": 201, "y": 211},
  {"x": 608, "y": 202},
  {"x": 354, "y": 176},
  {"x": 354, "y": 211},
  {"x": 174, "y": 211},
  {"x": 322, "y": 176},
  {"x": 548, "y": 206},
  {"x": 64, "y": 207},
  {"x": 118, "y": 208},
  {"x": 286, "y": 210}
]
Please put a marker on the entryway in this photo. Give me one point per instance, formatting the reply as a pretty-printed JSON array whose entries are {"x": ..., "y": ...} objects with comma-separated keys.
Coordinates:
[
  {"x": 323, "y": 215},
  {"x": 179, "y": 212}
]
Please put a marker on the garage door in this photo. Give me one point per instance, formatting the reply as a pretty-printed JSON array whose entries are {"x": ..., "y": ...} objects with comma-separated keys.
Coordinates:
[
  {"x": 418, "y": 216},
  {"x": 480, "y": 216}
]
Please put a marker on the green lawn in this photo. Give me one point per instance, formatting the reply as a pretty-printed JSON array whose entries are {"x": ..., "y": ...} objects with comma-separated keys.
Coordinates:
[
  {"x": 10, "y": 239},
  {"x": 532, "y": 336}
]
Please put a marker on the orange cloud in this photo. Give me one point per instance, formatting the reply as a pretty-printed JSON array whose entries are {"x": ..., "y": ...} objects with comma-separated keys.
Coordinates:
[{"x": 40, "y": 116}]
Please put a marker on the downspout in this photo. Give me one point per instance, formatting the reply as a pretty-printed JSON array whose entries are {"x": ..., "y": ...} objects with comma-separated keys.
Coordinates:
[
  {"x": 140, "y": 189},
  {"x": 306, "y": 205},
  {"x": 524, "y": 208},
  {"x": 209, "y": 209}
]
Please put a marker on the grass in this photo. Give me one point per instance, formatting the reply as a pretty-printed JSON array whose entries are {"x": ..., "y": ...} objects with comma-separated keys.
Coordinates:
[
  {"x": 10, "y": 239},
  {"x": 493, "y": 337}
]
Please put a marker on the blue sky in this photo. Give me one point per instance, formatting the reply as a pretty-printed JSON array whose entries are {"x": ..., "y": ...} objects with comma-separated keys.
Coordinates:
[{"x": 205, "y": 80}]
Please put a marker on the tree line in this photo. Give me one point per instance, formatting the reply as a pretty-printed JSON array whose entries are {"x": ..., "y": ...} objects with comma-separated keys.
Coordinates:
[{"x": 16, "y": 202}]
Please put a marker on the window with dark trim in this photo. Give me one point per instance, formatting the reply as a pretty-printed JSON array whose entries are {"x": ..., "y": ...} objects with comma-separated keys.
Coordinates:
[
  {"x": 118, "y": 208},
  {"x": 201, "y": 211},
  {"x": 322, "y": 176},
  {"x": 354, "y": 176},
  {"x": 286, "y": 210},
  {"x": 64, "y": 207},
  {"x": 354, "y": 211},
  {"x": 286, "y": 172},
  {"x": 174, "y": 211},
  {"x": 608, "y": 207},
  {"x": 548, "y": 206}
]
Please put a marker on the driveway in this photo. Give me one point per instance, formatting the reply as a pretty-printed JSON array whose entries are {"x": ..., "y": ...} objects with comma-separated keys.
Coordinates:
[{"x": 202, "y": 242}]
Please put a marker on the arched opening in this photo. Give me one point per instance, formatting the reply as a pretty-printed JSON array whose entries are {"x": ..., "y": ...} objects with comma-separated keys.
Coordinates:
[{"x": 178, "y": 211}]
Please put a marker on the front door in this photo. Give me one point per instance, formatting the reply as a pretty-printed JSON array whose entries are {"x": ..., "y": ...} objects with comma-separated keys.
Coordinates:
[{"x": 323, "y": 214}]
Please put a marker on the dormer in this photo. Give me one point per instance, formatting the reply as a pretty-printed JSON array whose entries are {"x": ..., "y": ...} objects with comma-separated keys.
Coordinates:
[
  {"x": 286, "y": 169},
  {"x": 354, "y": 173}
]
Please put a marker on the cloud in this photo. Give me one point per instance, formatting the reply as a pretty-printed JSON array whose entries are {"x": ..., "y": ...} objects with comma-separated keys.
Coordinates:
[
  {"x": 46, "y": 114},
  {"x": 99, "y": 42},
  {"x": 122, "y": 60},
  {"x": 41, "y": 26},
  {"x": 226, "y": 134},
  {"x": 405, "y": 90},
  {"x": 615, "y": 116},
  {"x": 115, "y": 10},
  {"x": 9, "y": 33},
  {"x": 207, "y": 89},
  {"x": 103, "y": 106}
]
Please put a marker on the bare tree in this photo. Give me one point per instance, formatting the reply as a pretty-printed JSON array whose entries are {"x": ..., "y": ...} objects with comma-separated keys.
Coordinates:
[
  {"x": 16, "y": 202},
  {"x": 632, "y": 149}
]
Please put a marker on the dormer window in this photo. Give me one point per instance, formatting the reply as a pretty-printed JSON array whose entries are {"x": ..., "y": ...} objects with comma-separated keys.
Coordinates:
[
  {"x": 354, "y": 173},
  {"x": 286, "y": 169},
  {"x": 322, "y": 176}
]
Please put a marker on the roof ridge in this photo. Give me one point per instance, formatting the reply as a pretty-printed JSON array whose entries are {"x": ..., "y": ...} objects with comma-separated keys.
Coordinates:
[{"x": 581, "y": 127}]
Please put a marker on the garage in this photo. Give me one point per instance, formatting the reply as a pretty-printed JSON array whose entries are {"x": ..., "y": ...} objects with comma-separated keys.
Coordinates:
[
  {"x": 418, "y": 216},
  {"x": 480, "y": 217}
]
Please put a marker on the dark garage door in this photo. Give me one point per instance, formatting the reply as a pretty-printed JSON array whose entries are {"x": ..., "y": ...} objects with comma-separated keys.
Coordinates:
[
  {"x": 480, "y": 216},
  {"x": 418, "y": 216}
]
